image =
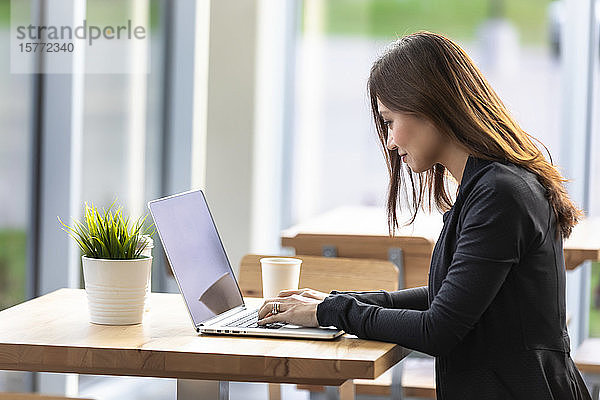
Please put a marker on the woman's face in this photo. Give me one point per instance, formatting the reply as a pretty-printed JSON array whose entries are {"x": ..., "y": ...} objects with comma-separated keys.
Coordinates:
[{"x": 414, "y": 137}]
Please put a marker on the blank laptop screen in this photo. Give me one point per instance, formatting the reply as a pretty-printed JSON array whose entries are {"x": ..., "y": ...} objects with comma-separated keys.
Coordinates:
[{"x": 196, "y": 254}]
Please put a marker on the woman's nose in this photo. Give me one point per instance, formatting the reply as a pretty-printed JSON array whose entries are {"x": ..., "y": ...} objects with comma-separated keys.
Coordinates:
[{"x": 390, "y": 142}]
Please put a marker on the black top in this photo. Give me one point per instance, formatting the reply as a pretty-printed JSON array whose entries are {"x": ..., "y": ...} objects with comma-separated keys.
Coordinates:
[{"x": 493, "y": 313}]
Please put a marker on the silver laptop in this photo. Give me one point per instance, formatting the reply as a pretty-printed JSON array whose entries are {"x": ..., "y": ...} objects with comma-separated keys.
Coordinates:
[{"x": 204, "y": 275}]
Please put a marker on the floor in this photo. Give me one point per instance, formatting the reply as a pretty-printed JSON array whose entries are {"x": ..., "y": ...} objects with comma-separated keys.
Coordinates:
[
  {"x": 131, "y": 388},
  {"x": 134, "y": 388}
]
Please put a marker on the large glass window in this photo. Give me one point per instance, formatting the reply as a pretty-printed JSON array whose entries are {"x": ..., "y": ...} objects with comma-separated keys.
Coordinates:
[
  {"x": 594, "y": 195},
  {"x": 122, "y": 133},
  {"x": 122, "y": 121},
  {"x": 515, "y": 43},
  {"x": 15, "y": 116},
  {"x": 338, "y": 158}
]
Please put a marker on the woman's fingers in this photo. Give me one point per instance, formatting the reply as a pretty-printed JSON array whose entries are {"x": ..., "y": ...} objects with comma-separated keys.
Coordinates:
[
  {"x": 268, "y": 319},
  {"x": 306, "y": 292},
  {"x": 268, "y": 303},
  {"x": 287, "y": 298},
  {"x": 311, "y": 295},
  {"x": 302, "y": 314},
  {"x": 289, "y": 292},
  {"x": 267, "y": 307}
]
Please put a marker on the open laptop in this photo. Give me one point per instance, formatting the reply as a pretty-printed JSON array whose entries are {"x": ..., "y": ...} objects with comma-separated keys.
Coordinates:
[{"x": 203, "y": 272}]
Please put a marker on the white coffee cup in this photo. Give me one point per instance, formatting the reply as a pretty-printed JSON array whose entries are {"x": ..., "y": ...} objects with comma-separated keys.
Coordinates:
[{"x": 279, "y": 273}]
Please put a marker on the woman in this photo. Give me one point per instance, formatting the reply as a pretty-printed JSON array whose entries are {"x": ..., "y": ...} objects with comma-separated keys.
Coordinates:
[{"x": 493, "y": 312}]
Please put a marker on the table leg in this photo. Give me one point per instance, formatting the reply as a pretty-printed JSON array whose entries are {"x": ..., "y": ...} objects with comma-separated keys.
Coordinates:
[
  {"x": 274, "y": 391},
  {"x": 343, "y": 392},
  {"x": 584, "y": 301},
  {"x": 396, "y": 389},
  {"x": 191, "y": 389}
]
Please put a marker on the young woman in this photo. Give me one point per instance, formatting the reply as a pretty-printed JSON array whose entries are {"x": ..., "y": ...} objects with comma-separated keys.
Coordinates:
[{"x": 493, "y": 312}]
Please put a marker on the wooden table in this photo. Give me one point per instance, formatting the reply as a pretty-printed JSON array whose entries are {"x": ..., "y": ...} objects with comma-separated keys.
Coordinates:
[
  {"x": 582, "y": 245},
  {"x": 358, "y": 231},
  {"x": 51, "y": 333}
]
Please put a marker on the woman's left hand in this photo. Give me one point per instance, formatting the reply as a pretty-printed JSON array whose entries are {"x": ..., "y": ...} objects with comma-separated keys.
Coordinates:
[{"x": 294, "y": 309}]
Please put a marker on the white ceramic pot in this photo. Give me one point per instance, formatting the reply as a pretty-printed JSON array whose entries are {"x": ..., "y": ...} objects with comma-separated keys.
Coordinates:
[
  {"x": 148, "y": 244},
  {"x": 116, "y": 289}
]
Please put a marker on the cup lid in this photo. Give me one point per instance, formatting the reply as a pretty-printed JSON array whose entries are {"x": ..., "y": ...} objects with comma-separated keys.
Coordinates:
[{"x": 281, "y": 260}]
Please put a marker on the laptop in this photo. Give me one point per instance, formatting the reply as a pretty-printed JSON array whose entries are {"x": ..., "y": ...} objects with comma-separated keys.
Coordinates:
[{"x": 203, "y": 272}]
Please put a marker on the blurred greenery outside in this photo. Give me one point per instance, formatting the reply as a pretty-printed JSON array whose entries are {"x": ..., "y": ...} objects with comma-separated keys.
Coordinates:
[
  {"x": 97, "y": 13},
  {"x": 458, "y": 19},
  {"x": 595, "y": 311},
  {"x": 12, "y": 267},
  {"x": 4, "y": 12}
]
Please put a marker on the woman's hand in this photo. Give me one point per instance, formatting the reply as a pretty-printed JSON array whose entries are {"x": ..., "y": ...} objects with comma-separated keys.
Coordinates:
[
  {"x": 294, "y": 309},
  {"x": 306, "y": 292}
]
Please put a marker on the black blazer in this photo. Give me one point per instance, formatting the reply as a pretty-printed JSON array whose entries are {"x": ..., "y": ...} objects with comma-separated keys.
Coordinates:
[{"x": 493, "y": 313}]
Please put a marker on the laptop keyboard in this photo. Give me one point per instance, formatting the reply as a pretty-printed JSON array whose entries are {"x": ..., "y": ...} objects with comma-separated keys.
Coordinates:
[{"x": 250, "y": 320}]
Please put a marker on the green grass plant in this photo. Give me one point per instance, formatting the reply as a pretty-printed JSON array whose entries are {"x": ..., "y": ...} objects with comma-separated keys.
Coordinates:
[{"x": 109, "y": 235}]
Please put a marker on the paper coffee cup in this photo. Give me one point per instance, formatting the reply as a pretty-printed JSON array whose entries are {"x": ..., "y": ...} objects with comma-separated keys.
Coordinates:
[{"x": 279, "y": 274}]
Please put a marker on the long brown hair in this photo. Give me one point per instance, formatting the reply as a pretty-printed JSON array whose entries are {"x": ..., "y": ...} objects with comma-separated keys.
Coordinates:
[{"x": 429, "y": 75}]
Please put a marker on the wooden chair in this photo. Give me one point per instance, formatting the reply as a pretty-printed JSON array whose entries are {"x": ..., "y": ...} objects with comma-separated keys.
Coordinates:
[
  {"x": 341, "y": 274},
  {"x": 412, "y": 256}
]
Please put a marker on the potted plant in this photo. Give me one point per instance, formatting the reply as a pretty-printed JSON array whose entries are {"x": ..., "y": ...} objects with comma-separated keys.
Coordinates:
[{"x": 116, "y": 271}]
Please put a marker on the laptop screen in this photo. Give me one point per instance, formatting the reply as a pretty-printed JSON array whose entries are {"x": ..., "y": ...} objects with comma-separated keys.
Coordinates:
[{"x": 196, "y": 254}]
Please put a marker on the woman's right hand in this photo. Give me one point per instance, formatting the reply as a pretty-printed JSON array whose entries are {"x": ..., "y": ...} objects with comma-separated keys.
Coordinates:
[{"x": 306, "y": 292}]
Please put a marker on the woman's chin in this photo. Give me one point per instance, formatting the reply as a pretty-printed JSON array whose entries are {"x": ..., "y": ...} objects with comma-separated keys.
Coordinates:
[
  {"x": 412, "y": 167},
  {"x": 417, "y": 168}
]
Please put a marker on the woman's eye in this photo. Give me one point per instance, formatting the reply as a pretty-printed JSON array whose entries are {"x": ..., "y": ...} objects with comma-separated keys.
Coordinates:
[{"x": 387, "y": 123}]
